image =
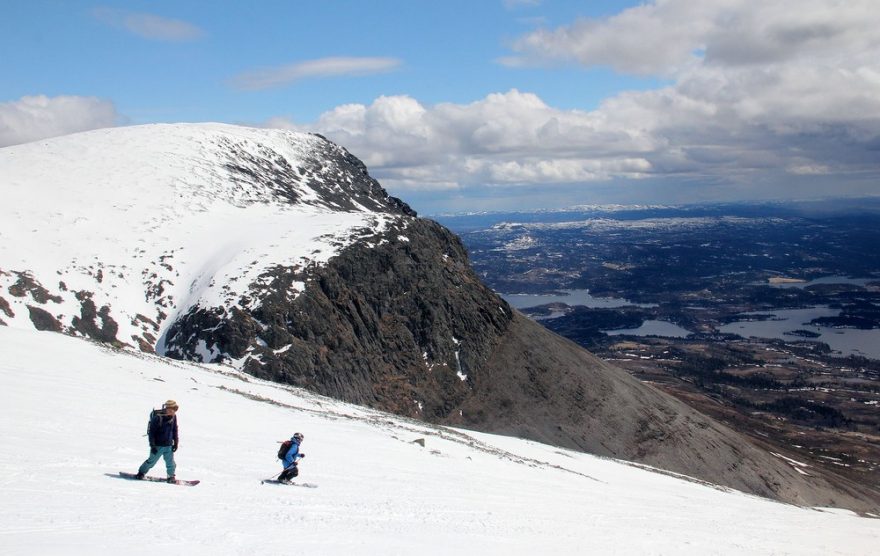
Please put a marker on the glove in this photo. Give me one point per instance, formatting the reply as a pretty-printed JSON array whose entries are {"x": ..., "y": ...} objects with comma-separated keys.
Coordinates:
[
  {"x": 302, "y": 455},
  {"x": 153, "y": 449},
  {"x": 174, "y": 448}
]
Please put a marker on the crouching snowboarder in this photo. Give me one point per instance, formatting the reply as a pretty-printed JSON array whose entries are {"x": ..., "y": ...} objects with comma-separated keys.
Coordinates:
[
  {"x": 162, "y": 432},
  {"x": 288, "y": 454}
]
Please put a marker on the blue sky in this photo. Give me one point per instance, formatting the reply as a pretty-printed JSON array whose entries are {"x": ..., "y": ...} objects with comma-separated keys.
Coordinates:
[
  {"x": 446, "y": 53},
  {"x": 489, "y": 104}
]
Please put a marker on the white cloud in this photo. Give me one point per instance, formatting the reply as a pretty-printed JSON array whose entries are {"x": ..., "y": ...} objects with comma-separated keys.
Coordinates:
[
  {"x": 267, "y": 78},
  {"x": 506, "y": 138},
  {"x": 666, "y": 36},
  {"x": 759, "y": 93},
  {"x": 715, "y": 125},
  {"x": 808, "y": 169},
  {"x": 149, "y": 26},
  {"x": 646, "y": 39},
  {"x": 37, "y": 117}
]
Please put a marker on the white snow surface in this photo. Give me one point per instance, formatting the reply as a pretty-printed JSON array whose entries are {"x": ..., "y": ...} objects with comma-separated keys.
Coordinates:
[
  {"x": 75, "y": 413},
  {"x": 151, "y": 220}
]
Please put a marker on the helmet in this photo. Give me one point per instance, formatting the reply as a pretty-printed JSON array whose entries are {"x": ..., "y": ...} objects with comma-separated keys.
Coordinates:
[{"x": 298, "y": 436}]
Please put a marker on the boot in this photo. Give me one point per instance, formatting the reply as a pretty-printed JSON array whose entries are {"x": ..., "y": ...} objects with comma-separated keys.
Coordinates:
[
  {"x": 139, "y": 476},
  {"x": 172, "y": 479}
]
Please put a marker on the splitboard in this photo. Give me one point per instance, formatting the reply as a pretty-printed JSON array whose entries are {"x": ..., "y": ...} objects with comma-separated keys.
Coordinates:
[
  {"x": 182, "y": 482},
  {"x": 277, "y": 482}
]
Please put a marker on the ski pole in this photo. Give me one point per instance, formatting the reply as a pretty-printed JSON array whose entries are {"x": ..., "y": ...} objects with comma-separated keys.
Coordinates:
[
  {"x": 277, "y": 474},
  {"x": 283, "y": 470}
]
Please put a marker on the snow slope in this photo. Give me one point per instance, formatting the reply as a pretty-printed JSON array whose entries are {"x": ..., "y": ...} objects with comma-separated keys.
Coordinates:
[
  {"x": 152, "y": 220},
  {"x": 75, "y": 412}
]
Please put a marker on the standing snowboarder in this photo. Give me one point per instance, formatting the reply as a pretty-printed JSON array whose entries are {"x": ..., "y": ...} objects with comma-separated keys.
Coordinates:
[
  {"x": 162, "y": 432},
  {"x": 290, "y": 457}
]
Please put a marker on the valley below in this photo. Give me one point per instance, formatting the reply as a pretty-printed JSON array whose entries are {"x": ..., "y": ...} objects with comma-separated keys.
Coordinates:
[{"x": 763, "y": 317}]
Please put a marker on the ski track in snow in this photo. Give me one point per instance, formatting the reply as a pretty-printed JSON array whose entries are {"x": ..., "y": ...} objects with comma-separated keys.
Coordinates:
[{"x": 75, "y": 410}]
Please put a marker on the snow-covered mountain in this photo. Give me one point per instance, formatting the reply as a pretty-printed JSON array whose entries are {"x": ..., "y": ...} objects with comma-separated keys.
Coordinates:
[
  {"x": 114, "y": 233},
  {"x": 74, "y": 414},
  {"x": 276, "y": 253}
]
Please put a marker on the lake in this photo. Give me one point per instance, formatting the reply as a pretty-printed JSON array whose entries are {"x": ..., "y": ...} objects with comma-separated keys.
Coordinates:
[
  {"x": 653, "y": 328},
  {"x": 827, "y": 280},
  {"x": 845, "y": 341}
]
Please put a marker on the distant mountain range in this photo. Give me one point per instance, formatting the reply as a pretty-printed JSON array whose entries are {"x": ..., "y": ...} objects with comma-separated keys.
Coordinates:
[{"x": 468, "y": 221}]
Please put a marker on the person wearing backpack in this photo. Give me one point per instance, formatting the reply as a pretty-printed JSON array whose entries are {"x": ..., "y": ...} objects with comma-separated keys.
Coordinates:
[
  {"x": 162, "y": 433},
  {"x": 288, "y": 454}
]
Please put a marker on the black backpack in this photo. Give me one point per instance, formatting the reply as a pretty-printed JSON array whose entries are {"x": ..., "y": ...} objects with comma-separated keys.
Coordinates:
[
  {"x": 285, "y": 447},
  {"x": 153, "y": 419}
]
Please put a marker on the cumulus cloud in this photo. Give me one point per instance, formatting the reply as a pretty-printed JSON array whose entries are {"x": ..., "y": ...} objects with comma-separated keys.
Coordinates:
[
  {"x": 645, "y": 40},
  {"x": 37, "y": 117},
  {"x": 268, "y": 78},
  {"x": 149, "y": 26},
  {"x": 504, "y": 139},
  {"x": 702, "y": 127},
  {"x": 758, "y": 92},
  {"x": 667, "y": 36}
]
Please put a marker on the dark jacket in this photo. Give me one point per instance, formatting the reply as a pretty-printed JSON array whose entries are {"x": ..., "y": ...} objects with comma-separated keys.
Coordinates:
[{"x": 162, "y": 429}]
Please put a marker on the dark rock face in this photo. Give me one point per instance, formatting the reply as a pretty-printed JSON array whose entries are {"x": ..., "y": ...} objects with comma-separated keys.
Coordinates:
[
  {"x": 43, "y": 319},
  {"x": 404, "y": 325},
  {"x": 5, "y": 308},
  {"x": 86, "y": 324},
  {"x": 26, "y": 284}
]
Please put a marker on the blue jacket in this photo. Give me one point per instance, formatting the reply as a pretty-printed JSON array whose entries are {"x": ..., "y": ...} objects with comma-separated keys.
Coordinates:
[
  {"x": 292, "y": 454},
  {"x": 162, "y": 429}
]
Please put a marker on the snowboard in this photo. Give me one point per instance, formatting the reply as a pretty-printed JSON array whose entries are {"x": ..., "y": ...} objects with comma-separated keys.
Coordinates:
[
  {"x": 133, "y": 477},
  {"x": 277, "y": 482}
]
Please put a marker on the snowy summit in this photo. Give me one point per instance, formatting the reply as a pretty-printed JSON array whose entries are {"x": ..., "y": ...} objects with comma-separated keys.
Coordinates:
[{"x": 113, "y": 233}]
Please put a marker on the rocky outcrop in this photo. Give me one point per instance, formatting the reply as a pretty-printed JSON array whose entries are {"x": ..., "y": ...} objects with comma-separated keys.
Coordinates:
[
  {"x": 43, "y": 319},
  {"x": 86, "y": 324},
  {"x": 401, "y": 324}
]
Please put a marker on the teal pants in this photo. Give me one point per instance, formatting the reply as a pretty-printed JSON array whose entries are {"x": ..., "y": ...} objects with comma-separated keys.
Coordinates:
[{"x": 161, "y": 451}]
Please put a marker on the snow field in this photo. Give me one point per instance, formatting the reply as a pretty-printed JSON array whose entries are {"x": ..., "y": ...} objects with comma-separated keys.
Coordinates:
[{"x": 74, "y": 412}]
